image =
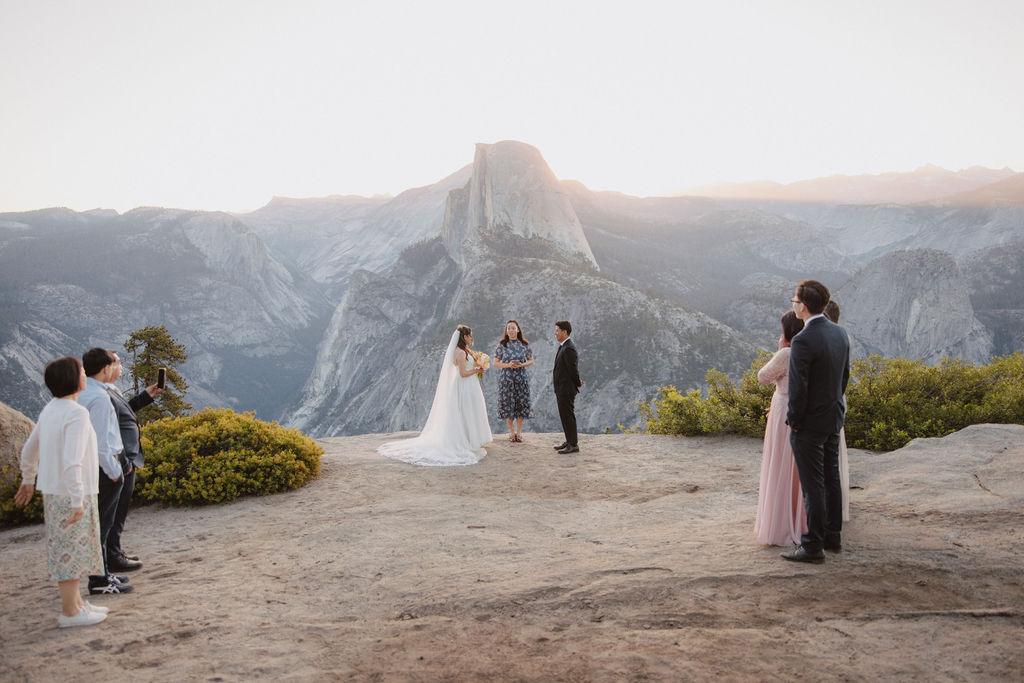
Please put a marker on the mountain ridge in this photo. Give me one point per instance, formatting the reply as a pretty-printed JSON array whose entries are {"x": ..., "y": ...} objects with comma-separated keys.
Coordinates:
[
  {"x": 926, "y": 183},
  {"x": 262, "y": 299}
]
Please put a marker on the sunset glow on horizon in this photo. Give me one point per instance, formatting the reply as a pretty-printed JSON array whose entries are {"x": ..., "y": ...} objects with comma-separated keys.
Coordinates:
[{"x": 221, "y": 106}]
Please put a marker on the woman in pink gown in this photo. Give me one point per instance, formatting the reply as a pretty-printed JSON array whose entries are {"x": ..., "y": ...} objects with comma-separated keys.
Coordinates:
[{"x": 781, "y": 518}]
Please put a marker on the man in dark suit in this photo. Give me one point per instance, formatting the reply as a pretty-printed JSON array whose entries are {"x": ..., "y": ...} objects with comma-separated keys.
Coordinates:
[
  {"x": 819, "y": 369},
  {"x": 131, "y": 458},
  {"x": 567, "y": 384}
]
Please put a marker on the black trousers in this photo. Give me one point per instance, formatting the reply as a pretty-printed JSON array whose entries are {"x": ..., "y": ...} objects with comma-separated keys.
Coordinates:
[
  {"x": 124, "y": 501},
  {"x": 106, "y": 501},
  {"x": 567, "y": 414},
  {"x": 817, "y": 462}
]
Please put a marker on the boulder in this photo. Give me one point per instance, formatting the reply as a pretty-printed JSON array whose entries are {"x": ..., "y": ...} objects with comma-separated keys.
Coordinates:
[{"x": 14, "y": 431}]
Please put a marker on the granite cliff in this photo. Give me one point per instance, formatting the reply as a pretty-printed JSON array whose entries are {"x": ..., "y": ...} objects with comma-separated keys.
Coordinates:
[
  {"x": 913, "y": 304},
  {"x": 378, "y": 363},
  {"x": 72, "y": 281}
]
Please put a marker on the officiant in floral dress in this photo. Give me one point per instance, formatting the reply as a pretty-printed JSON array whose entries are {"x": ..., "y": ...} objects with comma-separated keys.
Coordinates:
[{"x": 513, "y": 355}]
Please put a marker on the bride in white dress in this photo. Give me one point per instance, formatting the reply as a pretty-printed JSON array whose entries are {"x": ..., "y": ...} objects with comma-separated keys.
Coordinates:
[{"x": 457, "y": 428}]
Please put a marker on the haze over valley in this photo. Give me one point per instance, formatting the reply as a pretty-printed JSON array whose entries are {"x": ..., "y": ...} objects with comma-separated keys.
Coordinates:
[{"x": 330, "y": 314}]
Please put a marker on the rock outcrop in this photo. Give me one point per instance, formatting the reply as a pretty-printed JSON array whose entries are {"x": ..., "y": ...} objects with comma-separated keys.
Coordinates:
[
  {"x": 996, "y": 279},
  {"x": 913, "y": 304},
  {"x": 512, "y": 192},
  {"x": 14, "y": 431}
]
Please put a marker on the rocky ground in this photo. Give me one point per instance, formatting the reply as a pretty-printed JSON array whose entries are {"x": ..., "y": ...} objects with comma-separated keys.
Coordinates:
[{"x": 633, "y": 560}]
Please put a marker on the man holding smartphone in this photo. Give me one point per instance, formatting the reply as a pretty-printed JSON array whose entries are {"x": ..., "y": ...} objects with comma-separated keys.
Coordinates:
[
  {"x": 99, "y": 368},
  {"x": 131, "y": 458}
]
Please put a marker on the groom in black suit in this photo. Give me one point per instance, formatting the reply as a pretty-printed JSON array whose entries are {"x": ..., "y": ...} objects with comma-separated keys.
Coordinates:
[
  {"x": 567, "y": 384},
  {"x": 819, "y": 369}
]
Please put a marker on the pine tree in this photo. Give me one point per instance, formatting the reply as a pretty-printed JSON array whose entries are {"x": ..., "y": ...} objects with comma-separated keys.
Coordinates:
[{"x": 150, "y": 349}]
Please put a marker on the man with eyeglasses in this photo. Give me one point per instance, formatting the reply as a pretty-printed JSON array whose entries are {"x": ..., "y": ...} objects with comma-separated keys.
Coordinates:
[{"x": 819, "y": 370}]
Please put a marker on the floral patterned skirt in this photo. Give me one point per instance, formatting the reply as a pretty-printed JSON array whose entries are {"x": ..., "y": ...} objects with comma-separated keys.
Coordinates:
[
  {"x": 514, "y": 394},
  {"x": 72, "y": 551}
]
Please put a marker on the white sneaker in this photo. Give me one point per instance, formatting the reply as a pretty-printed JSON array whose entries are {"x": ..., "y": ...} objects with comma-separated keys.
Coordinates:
[
  {"x": 96, "y": 609},
  {"x": 83, "y": 618}
]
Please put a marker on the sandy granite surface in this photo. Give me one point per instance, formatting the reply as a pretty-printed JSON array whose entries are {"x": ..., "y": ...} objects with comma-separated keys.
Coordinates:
[{"x": 633, "y": 560}]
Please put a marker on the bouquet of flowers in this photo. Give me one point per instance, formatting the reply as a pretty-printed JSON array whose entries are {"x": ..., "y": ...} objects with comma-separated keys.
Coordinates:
[{"x": 482, "y": 361}]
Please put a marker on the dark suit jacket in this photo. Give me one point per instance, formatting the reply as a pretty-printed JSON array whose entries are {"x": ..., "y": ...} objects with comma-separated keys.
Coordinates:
[
  {"x": 819, "y": 370},
  {"x": 566, "y": 375},
  {"x": 129, "y": 423}
]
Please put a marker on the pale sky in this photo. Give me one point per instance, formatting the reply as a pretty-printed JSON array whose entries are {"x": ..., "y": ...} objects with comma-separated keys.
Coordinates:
[{"x": 222, "y": 104}]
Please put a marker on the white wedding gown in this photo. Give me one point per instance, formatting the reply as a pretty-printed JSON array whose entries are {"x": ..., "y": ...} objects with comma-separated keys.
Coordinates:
[{"x": 457, "y": 427}]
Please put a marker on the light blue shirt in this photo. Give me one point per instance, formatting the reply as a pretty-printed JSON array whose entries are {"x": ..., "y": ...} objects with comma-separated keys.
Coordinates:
[{"x": 96, "y": 400}]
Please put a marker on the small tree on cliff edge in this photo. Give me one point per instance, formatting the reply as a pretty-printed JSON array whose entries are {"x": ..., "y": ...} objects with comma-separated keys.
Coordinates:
[{"x": 150, "y": 349}]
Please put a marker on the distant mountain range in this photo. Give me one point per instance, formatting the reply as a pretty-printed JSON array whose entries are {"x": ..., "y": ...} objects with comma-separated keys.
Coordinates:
[
  {"x": 329, "y": 314},
  {"x": 926, "y": 184}
]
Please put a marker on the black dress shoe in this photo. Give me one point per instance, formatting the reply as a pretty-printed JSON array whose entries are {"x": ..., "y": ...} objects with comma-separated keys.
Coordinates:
[
  {"x": 564, "y": 444},
  {"x": 134, "y": 558},
  {"x": 802, "y": 555},
  {"x": 569, "y": 449},
  {"x": 120, "y": 563}
]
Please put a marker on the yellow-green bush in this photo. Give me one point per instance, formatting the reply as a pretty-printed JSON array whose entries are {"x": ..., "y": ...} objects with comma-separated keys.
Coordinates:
[
  {"x": 744, "y": 407},
  {"x": 218, "y": 455},
  {"x": 890, "y": 401},
  {"x": 13, "y": 515},
  {"x": 725, "y": 407},
  {"x": 894, "y": 400}
]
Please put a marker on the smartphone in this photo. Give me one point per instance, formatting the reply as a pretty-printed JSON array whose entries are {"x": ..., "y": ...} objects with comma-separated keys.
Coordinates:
[{"x": 161, "y": 378}]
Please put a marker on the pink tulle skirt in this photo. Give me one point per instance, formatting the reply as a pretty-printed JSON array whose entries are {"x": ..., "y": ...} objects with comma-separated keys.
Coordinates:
[{"x": 781, "y": 518}]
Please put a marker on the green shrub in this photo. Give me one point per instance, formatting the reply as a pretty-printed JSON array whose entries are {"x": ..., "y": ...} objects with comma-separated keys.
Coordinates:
[
  {"x": 894, "y": 400},
  {"x": 744, "y": 407},
  {"x": 1004, "y": 401},
  {"x": 218, "y": 455},
  {"x": 890, "y": 401},
  {"x": 675, "y": 413},
  {"x": 727, "y": 408},
  {"x": 13, "y": 515}
]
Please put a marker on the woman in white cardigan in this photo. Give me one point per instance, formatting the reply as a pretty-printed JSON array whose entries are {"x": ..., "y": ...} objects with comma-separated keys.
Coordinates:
[{"x": 60, "y": 459}]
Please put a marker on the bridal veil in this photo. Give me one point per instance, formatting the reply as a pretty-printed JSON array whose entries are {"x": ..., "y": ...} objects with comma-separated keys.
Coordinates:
[{"x": 444, "y": 439}]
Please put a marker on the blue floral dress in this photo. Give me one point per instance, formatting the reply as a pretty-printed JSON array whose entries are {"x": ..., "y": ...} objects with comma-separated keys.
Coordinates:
[{"x": 513, "y": 384}]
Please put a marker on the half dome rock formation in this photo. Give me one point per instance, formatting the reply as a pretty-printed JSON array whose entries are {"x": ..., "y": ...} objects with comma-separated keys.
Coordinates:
[
  {"x": 513, "y": 192},
  {"x": 913, "y": 304},
  {"x": 511, "y": 246}
]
